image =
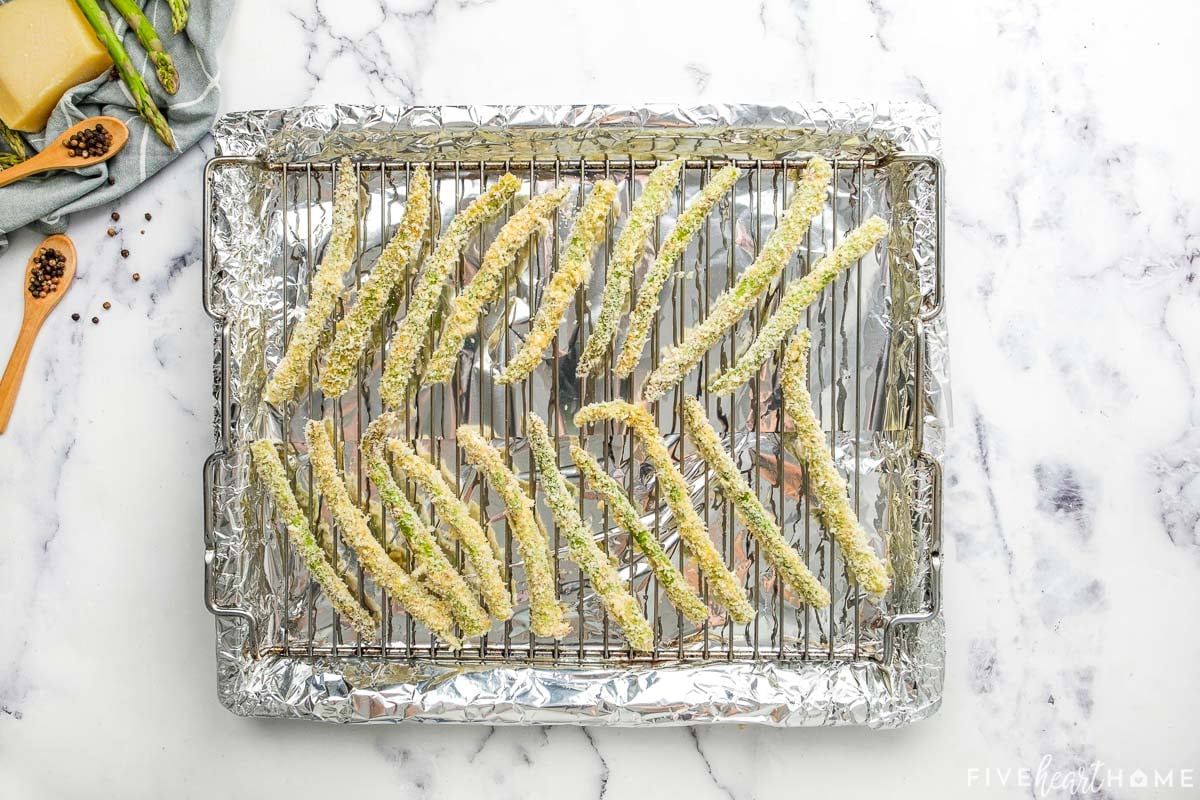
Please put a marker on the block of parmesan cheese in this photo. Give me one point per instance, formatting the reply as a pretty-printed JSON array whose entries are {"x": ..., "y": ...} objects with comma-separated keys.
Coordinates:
[{"x": 46, "y": 47}]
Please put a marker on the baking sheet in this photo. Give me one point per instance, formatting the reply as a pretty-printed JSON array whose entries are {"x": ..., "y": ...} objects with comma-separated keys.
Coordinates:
[{"x": 789, "y": 667}]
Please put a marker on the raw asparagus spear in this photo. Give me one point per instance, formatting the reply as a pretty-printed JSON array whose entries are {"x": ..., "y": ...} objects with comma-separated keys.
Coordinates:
[
  {"x": 179, "y": 14},
  {"x": 137, "y": 88},
  {"x": 164, "y": 67}
]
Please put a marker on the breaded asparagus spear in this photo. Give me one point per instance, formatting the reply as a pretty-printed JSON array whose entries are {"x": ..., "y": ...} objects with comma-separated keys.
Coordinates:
[
  {"x": 682, "y": 596},
  {"x": 463, "y": 526},
  {"x": 274, "y": 477},
  {"x": 626, "y": 255},
  {"x": 799, "y": 295},
  {"x": 827, "y": 484},
  {"x": 581, "y": 543},
  {"x": 574, "y": 271},
  {"x": 686, "y": 228},
  {"x": 354, "y": 331},
  {"x": 404, "y": 350},
  {"x": 775, "y": 549},
  {"x": 423, "y": 606},
  {"x": 440, "y": 575},
  {"x": 695, "y": 538},
  {"x": 545, "y": 612},
  {"x": 325, "y": 290},
  {"x": 487, "y": 283},
  {"x": 733, "y": 303},
  {"x": 324, "y": 537}
]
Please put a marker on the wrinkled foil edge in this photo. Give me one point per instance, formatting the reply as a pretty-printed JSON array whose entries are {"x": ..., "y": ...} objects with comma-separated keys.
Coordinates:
[{"x": 772, "y": 693}]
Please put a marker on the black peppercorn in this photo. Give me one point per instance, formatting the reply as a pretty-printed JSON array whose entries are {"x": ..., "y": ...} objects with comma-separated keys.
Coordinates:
[
  {"x": 95, "y": 320},
  {"x": 75, "y": 317},
  {"x": 124, "y": 254},
  {"x": 94, "y": 141},
  {"x": 147, "y": 216},
  {"x": 137, "y": 276},
  {"x": 47, "y": 272},
  {"x": 116, "y": 217},
  {"x": 107, "y": 305}
]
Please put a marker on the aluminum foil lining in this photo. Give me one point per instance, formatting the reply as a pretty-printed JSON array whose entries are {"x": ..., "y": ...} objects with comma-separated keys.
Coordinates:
[{"x": 267, "y": 228}]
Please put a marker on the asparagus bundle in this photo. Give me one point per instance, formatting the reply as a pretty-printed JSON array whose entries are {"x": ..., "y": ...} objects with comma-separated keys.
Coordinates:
[
  {"x": 137, "y": 87},
  {"x": 14, "y": 142},
  {"x": 164, "y": 67}
]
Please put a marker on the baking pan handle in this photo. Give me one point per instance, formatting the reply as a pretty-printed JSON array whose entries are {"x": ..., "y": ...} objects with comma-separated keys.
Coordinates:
[
  {"x": 931, "y": 304},
  {"x": 221, "y": 379},
  {"x": 934, "y": 590},
  {"x": 210, "y": 558},
  {"x": 935, "y": 570}
]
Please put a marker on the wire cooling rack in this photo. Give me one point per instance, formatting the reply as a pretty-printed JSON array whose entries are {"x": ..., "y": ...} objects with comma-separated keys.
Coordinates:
[{"x": 868, "y": 383}]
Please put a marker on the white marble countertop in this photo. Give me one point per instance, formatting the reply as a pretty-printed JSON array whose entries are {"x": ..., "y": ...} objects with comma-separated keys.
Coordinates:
[{"x": 1072, "y": 505}]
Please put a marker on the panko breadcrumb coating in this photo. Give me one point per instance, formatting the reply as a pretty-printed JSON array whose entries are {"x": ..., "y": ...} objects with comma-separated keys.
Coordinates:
[
  {"x": 489, "y": 570},
  {"x": 326, "y": 288},
  {"x": 573, "y": 271},
  {"x": 592, "y": 561},
  {"x": 733, "y": 303},
  {"x": 775, "y": 549},
  {"x": 354, "y": 331},
  {"x": 823, "y": 477},
  {"x": 627, "y": 254},
  {"x": 799, "y": 295},
  {"x": 423, "y": 606},
  {"x": 404, "y": 349},
  {"x": 723, "y": 583},
  {"x": 274, "y": 477},
  {"x": 545, "y": 612},
  {"x": 440, "y": 576},
  {"x": 488, "y": 281},
  {"x": 686, "y": 228},
  {"x": 682, "y": 596}
]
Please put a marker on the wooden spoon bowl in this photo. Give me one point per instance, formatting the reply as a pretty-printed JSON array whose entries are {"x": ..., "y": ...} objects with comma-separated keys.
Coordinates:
[
  {"x": 36, "y": 311},
  {"x": 57, "y": 156}
]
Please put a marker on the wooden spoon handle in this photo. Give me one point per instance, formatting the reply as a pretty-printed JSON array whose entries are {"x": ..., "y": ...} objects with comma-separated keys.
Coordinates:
[{"x": 13, "y": 373}]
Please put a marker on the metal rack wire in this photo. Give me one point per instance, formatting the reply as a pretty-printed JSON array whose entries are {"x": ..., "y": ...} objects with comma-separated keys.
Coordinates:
[{"x": 842, "y": 634}]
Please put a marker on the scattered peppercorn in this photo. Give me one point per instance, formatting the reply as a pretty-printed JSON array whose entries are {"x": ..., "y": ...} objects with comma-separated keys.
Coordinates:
[
  {"x": 124, "y": 254},
  {"x": 95, "y": 320},
  {"x": 47, "y": 272},
  {"x": 147, "y": 216},
  {"x": 116, "y": 217},
  {"x": 75, "y": 317},
  {"x": 107, "y": 305},
  {"x": 112, "y": 231},
  {"x": 90, "y": 142},
  {"x": 112, "y": 181},
  {"x": 137, "y": 276}
]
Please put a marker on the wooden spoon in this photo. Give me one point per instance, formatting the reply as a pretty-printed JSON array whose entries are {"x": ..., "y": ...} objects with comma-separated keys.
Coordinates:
[
  {"x": 56, "y": 155},
  {"x": 36, "y": 311}
]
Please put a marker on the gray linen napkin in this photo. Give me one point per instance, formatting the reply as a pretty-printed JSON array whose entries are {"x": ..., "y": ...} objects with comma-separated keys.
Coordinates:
[{"x": 47, "y": 199}]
